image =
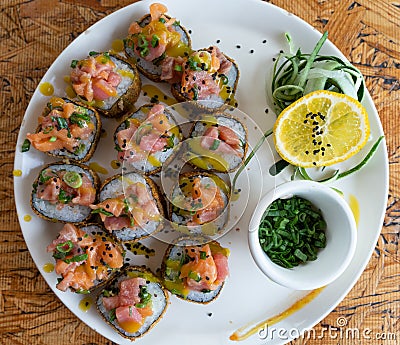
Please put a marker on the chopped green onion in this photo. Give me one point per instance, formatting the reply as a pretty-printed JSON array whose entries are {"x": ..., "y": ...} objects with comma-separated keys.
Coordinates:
[
  {"x": 224, "y": 79},
  {"x": 178, "y": 68},
  {"x": 64, "y": 197},
  {"x": 154, "y": 41},
  {"x": 81, "y": 119},
  {"x": 103, "y": 211},
  {"x": 65, "y": 247},
  {"x": 26, "y": 145},
  {"x": 292, "y": 231},
  {"x": 61, "y": 122},
  {"x": 74, "y": 63},
  {"x": 52, "y": 139},
  {"x": 44, "y": 178},
  {"x": 195, "y": 276},
  {"x": 215, "y": 144},
  {"x": 73, "y": 179},
  {"x": 77, "y": 258},
  {"x": 203, "y": 255},
  {"x": 145, "y": 297},
  {"x": 111, "y": 315}
]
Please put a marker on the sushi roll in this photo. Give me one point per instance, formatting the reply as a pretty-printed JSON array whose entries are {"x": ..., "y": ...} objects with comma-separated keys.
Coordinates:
[
  {"x": 64, "y": 192},
  {"x": 217, "y": 143},
  {"x": 207, "y": 75},
  {"x": 130, "y": 206},
  {"x": 67, "y": 129},
  {"x": 146, "y": 139},
  {"x": 195, "y": 269},
  {"x": 156, "y": 41},
  {"x": 133, "y": 302},
  {"x": 86, "y": 257},
  {"x": 107, "y": 82},
  {"x": 199, "y": 203}
]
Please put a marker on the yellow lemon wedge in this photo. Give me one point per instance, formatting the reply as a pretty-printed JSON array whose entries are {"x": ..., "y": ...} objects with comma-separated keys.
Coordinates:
[{"x": 320, "y": 129}]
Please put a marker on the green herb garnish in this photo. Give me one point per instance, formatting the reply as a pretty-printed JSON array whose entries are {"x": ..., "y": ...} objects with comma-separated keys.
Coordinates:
[
  {"x": 63, "y": 197},
  {"x": 26, "y": 145},
  {"x": 145, "y": 297},
  {"x": 292, "y": 231},
  {"x": 73, "y": 179},
  {"x": 103, "y": 211},
  {"x": 215, "y": 144},
  {"x": 65, "y": 247},
  {"x": 77, "y": 258},
  {"x": 154, "y": 41}
]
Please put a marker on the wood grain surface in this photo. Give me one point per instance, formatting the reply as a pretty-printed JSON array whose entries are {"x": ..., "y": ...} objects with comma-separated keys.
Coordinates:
[{"x": 34, "y": 32}]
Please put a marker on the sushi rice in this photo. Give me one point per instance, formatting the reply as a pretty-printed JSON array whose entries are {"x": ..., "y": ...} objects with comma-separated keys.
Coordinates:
[
  {"x": 68, "y": 213},
  {"x": 116, "y": 186},
  {"x": 159, "y": 300}
]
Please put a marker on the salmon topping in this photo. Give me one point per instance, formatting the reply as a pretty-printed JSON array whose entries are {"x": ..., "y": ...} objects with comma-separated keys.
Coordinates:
[
  {"x": 95, "y": 78},
  {"x": 204, "y": 270},
  {"x": 133, "y": 209},
  {"x": 64, "y": 126},
  {"x": 205, "y": 202},
  {"x": 132, "y": 304},
  {"x": 222, "y": 139},
  {"x": 141, "y": 139},
  {"x": 200, "y": 75},
  {"x": 153, "y": 40},
  {"x": 52, "y": 187},
  {"x": 83, "y": 258}
]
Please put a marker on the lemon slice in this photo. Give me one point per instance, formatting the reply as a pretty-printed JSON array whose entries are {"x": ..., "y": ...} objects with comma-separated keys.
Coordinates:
[{"x": 320, "y": 129}]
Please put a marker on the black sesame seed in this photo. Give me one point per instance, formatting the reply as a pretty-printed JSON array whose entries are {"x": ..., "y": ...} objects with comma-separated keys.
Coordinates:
[
  {"x": 251, "y": 51},
  {"x": 218, "y": 41},
  {"x": 238, "y": 46},
  {"x": 264, "y": 41}
]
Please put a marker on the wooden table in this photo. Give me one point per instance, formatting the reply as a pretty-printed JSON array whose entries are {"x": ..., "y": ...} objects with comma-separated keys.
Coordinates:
[{"x": 33, "y": 33}]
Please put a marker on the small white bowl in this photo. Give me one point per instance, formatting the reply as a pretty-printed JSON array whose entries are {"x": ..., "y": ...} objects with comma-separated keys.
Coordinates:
[{"x": 341, "y": 237}]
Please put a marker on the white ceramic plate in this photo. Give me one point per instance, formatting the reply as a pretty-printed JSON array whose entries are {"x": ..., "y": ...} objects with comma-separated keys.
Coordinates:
[{"x": 251, "y": 32}]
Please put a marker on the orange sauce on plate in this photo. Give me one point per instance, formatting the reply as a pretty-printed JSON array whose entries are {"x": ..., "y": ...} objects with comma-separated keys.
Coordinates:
[
  {"x": 46, "y": 88},
  {"x": 85, "y": 304},
  {"x": 242, "y": 334}
]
